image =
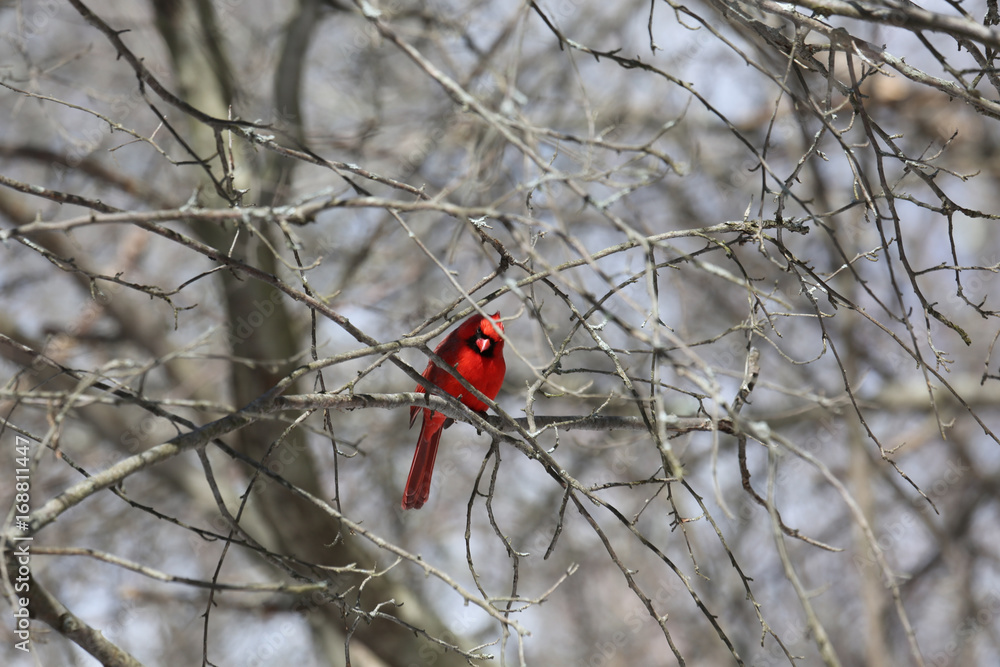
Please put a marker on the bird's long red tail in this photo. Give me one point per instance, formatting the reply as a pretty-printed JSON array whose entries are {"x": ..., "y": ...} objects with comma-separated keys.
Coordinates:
[{"x": 418, "y": 483}]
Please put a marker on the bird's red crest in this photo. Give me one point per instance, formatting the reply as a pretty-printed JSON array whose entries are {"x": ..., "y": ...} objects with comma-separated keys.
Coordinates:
[{"x": 489, "y": 326}]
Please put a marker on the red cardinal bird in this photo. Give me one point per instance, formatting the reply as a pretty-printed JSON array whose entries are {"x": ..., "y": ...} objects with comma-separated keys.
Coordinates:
[{"x": 476, "y": 351}]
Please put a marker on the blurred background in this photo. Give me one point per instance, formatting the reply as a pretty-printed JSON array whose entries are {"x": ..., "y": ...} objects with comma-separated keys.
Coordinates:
[{"x": 775, "y": 219}]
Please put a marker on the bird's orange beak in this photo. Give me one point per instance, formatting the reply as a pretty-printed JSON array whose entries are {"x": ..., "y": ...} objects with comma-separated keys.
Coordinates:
[{"x": 483, "y": 344}]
